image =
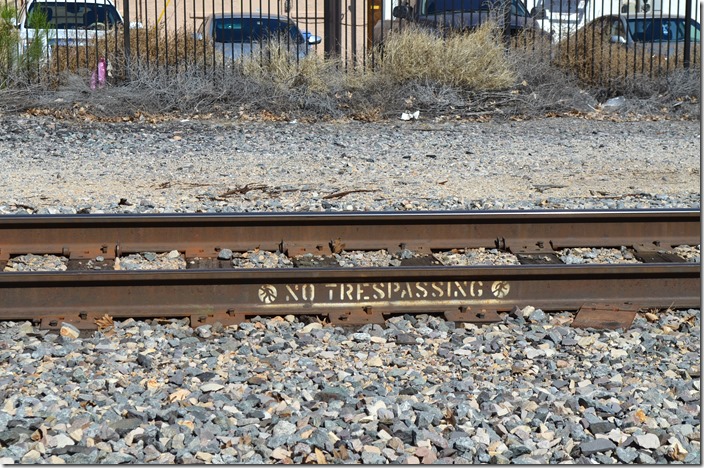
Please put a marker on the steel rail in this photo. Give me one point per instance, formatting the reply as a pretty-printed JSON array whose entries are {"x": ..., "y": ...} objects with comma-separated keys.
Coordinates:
[
  {"x": 353, "y": 295},
  {"x": 203, "y": 235},
  {"x": 359, "y": 295}
]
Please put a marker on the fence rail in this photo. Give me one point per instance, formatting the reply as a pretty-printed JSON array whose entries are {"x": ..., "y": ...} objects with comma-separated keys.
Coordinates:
[{"x": 609, "y": 39}]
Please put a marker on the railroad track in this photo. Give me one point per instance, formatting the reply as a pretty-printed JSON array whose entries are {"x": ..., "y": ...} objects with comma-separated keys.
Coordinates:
[{"x": 211, "y": 290}]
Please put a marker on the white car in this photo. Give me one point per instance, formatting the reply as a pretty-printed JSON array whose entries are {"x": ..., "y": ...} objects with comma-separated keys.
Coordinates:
[
  {"x": 560, "y": 18},
  {"x": 68, "y": 22}
]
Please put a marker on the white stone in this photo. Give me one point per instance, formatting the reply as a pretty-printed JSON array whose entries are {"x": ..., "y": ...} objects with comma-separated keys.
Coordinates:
[
  {"x": 375, "y": 362},
  {"x": 532, "y": 353},
  {"x": 62, "y": 440},
  {"x": 311, "y": 326},
  {"x": 374, "y": 408},
  {"x": 647, "y": 441},
  {"x": 69, "y": 331},
  {"x": 211, "y": 387}
]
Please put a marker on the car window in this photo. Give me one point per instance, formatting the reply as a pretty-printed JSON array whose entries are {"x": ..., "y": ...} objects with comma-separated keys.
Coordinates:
[
  {"x": 65, "y": 15},
  {"x": 617, "y": 29},
  {"x": 246, "y": 30},
  {"x": 433, "y": 7},
  {"x": 661, "y": 29}
]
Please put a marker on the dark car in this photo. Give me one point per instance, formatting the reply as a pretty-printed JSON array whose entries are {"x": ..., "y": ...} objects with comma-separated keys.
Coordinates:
[
  {"x": 653, "y": 35},
  {"x": 238, "y": 34},
  {"x": 460, "y": 15}
]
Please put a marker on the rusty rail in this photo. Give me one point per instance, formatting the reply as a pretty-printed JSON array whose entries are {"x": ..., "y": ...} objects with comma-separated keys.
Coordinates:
[
  {"x": 203, "y": 235},
  {"x": 358, "y": 295}
]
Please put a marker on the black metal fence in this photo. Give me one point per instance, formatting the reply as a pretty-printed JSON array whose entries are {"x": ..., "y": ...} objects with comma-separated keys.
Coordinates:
[{"x": 623, "y": 37}]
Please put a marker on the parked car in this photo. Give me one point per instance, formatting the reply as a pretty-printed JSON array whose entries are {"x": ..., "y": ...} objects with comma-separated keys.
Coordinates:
[
  {"x": 560, "y": 17},
  {"x": 655, "y": 34},
  {"x": 238, "y": 34},
  {"x": 458, "y": 15},
  {"x": 66, "y": 22}
]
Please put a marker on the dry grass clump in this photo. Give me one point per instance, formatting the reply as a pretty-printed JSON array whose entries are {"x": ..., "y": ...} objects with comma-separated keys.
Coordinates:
[
  {"x": 474, "y": 60},
  {"x": 278, "y": 65}
]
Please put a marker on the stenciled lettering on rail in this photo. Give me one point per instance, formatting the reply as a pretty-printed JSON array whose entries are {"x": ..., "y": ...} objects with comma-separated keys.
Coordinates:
[{"x": 383, "y": 291}]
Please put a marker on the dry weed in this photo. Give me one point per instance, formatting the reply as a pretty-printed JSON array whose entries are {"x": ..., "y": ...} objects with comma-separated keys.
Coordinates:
[{"x": 474, "y": 60}]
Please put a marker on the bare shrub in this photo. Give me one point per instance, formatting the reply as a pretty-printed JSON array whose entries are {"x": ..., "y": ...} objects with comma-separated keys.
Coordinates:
[
  {"x": 474, "y": 60},
  {"x": 541, "y": 85},
  {"x": 149, "y": 46}
]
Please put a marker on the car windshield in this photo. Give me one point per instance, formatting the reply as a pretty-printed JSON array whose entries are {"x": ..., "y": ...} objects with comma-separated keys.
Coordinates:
[
  {"x": 433, "y": 7},
  {"x": 661, "y": 30},
  {"x": 247, "y": 30},
  {"x": 70, "y": 15}
]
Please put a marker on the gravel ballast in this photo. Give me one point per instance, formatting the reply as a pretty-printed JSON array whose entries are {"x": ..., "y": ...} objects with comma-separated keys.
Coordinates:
[
  {"x": 530, "y": 389},
  {"x": 66, "y": 167}
]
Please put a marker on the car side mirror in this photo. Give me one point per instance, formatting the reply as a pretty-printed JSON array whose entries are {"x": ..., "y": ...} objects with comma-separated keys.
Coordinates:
[
  {"x": 312, "y": 39},
  {"x": 618, "y": 40},
  {"x": 402, "y": 12}
]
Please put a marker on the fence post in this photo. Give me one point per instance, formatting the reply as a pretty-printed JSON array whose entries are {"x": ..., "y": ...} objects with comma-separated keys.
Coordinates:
[
  {"x": 687, "y": 29},
  {"x": 333, "y": 25},
  {"x": 506, "y": 26},
  {"x": 126, "y": 13}
]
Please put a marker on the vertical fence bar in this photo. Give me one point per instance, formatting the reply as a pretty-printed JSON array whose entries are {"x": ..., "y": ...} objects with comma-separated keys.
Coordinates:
[
  {"x": 142, "y": 21},
  {"x": 127, "y": 46},
  {"x": 331, "y": 42},
  {"x": 687, "y": 32}
]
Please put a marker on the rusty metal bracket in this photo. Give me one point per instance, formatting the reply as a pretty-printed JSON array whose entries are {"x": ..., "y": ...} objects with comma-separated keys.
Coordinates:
[
  {"x": 294, "y": 249},
  {"x": 82, "y": 321},
  {"x": 606, "y": 316},
  {"x": 359, "y": 317},
  {"x": 529, "y": 246},
  {"x": 654, "y": 253},
  {"x": 535, "y": 252},
  {"x": 472, "y": 315},
  {"x": 230, "y": 317}
]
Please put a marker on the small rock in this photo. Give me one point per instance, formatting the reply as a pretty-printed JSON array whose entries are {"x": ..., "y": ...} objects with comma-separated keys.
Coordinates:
[
  {"x": 32, "y": 456},
  {"x": 144, "y": 361},
  {"x": 405, "y": 339},
  {"x": 69, "y": 331},
  {"x": 225, "y": 254},
  {"x": 647, "y": 441},
  {"x": 211, "y": 387},
  {"x": 591, "y": 447},
  {"x": 361, "y": 337},
  {"x": 537, "y": 316},
  {"x": 376, "y": 361},
  {"x": 284, "y": 428},
  {"x": 626, "y": 455},
  {"x": 310, "y": 327}
]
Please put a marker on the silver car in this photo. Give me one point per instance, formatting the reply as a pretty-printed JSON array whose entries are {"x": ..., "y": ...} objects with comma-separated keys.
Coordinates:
[
  {"x": 654, "y": 35},
  {"x": 240, "y": 34}
]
